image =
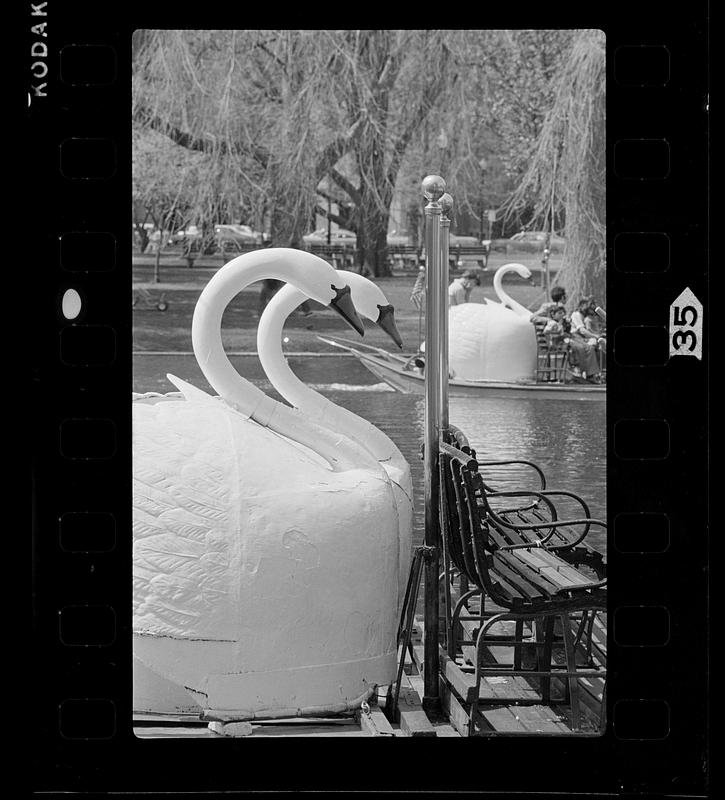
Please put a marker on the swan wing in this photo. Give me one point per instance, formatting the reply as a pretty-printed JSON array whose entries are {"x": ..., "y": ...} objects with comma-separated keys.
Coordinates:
[
  {"x": 183, "y": 504},
  {"x": 466, "y": 330},
  {"x": 188, "y": 391}
]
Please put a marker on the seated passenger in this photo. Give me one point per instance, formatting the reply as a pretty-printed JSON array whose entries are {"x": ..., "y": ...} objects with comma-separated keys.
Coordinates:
[
  {"x": 558, "y": 298},
  {"x": 557, "y": 328},
  {"x": 584, "y": 343},
  {"x": 596, "y": 325}
]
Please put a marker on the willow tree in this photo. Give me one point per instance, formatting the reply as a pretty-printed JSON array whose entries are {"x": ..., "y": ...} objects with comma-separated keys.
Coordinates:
[
  {"x": 507, "y": 89},
  {"x": 257, "y": 105},
  {"x": 565, "y": 177},
  {"x": 389, "y": 81},
  {"x": 165, "y": 178},
  {"x": 276, "y": 112}
]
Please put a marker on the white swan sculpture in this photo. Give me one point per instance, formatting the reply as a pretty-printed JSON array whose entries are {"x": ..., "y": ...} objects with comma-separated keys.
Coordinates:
[
  {"x": 265, "y": 560},
  {"x": 493, "y": 341},
  {"x": 370, "y": 302}
]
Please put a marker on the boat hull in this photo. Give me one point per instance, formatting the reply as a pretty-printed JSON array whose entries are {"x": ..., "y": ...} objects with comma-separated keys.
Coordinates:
[{"x": 396, "y": 372}]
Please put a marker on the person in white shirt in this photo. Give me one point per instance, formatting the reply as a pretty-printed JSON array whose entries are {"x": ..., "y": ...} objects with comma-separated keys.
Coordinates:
[
  {"x": 584, "y": 342},
  {"x": 460, "y": 289}
]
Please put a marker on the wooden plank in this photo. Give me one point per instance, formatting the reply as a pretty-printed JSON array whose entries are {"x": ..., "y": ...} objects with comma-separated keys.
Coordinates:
[
  {"x": 502, "y": 720},
  {"x": 375, "y": 723},
  {"x": 575, "y": 576},
  {"x": 454, "y": 710},
  {"x": 541, "y": 719},
  {"x": 446, "y": 730},
  {"x": 532, "y": 558},
  {"x": 413, "y": 720},
  {"x": 507, "y": 687},
  {"x": 557, "y": 577},
  {"x": 441, "y": 729},
  {"x": 463, "y": 683}
]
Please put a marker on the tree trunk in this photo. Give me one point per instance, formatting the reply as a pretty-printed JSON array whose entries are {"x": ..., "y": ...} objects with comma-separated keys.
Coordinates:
[
  {"x": 375, "y": 198},
  {"x": 372, "y": 239},
  {"x": 157, "y": 260}
]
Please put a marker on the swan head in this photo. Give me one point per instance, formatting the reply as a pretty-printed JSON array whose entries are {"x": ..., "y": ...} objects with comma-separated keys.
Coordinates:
[
  {"x": 370, "y": 302},
  {"x": 386, "y": 320},
  {"x": 523, "y": 271},
  {"x": 342, "y": 303}
]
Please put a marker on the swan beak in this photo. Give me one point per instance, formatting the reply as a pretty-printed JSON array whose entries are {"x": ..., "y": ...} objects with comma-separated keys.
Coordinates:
[
  {"x": 386, "y": 320},
  {"x": 342, "y": 303}
]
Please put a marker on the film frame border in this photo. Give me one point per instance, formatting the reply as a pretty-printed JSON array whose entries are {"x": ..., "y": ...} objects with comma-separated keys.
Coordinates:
[{"x": 80, "y": 595}]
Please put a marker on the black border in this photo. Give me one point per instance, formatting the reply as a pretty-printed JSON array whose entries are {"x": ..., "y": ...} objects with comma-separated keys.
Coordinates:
[{"x": 677, "y": 672}]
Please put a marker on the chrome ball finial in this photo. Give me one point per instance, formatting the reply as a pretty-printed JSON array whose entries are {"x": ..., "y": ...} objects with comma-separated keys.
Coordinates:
[
  {"x": 446, "y": 203},
  {"x": 433, "y": 187}
]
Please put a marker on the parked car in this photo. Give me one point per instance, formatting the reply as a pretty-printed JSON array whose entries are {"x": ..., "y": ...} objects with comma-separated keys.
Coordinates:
[
  {"x": 339, "y": 236},
  {"x": 464, "y": 241},
  {"x": 188, "y": 233},
  {"x": 528, "y": 242},
  {"x": 538, "y": 237},
  {"x": 398, "y": 239},
  {"x": 241, "y": 234}
]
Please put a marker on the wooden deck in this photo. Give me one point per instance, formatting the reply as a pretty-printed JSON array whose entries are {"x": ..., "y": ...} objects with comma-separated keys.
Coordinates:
[{"x": 512, "y": 705}]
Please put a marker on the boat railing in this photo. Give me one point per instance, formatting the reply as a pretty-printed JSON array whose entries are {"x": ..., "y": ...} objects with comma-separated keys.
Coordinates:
[{"x": 553, "y": 357}]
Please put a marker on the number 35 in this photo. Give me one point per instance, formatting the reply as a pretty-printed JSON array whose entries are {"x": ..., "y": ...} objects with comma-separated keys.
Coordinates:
[{"x": 681, "y": 318}]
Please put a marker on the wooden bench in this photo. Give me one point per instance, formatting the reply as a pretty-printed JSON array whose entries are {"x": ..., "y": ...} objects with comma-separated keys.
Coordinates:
[
  {"x": 526, "y": 581},
  {"x": 552, "y": 359},
  {"x": 523, "y": 511},
  {"x": 341, "y": 256},
  {"x": 459, "y": 255},
  {"x": 409, "y": 257}
]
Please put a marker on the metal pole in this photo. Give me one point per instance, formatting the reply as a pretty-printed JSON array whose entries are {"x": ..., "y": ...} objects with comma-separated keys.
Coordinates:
[
  {"x": 446, "y": 204},
  {"x": 433, "y": 187}
]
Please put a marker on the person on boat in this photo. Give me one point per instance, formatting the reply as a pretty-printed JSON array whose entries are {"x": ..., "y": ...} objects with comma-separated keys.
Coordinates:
[
  {"x": 595, "y": 324},
  {"x": 557, "y": 328},
  {"x": 584, "y": 344},
  {"x": 558, "y": 298},
  {"x": 460, "y": 289}
]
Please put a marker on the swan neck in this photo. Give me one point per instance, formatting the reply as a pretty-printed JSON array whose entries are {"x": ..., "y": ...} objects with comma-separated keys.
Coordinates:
[
  {"x": 297, "y": 393},
  {"x": 505, "y": 297},
  {"x": 238, "y": 392},
  {"x": 206, "y": 324},
  {"x": 269, "y": 345}
]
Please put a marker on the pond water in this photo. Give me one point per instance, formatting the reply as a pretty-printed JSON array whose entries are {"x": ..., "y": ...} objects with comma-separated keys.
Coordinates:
[{"x": 566, "y": 438}]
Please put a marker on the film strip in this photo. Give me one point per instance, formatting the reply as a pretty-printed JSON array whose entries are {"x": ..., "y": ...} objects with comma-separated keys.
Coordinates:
[{"x": 80, "y": 159}]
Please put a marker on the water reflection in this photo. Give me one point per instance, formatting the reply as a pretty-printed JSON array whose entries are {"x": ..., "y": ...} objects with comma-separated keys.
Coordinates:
[{"x": 566, "y": 438}]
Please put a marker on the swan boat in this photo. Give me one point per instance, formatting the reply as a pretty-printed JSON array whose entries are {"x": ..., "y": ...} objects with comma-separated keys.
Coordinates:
[
  {"x": 405, "y": 374},
  {"x": 254, "y": 591},
  {"x": 492, "y": 353}
]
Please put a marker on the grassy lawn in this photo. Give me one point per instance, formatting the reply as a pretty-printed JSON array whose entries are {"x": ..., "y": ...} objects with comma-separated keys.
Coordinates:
[{"x": 171, "y": 330}]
